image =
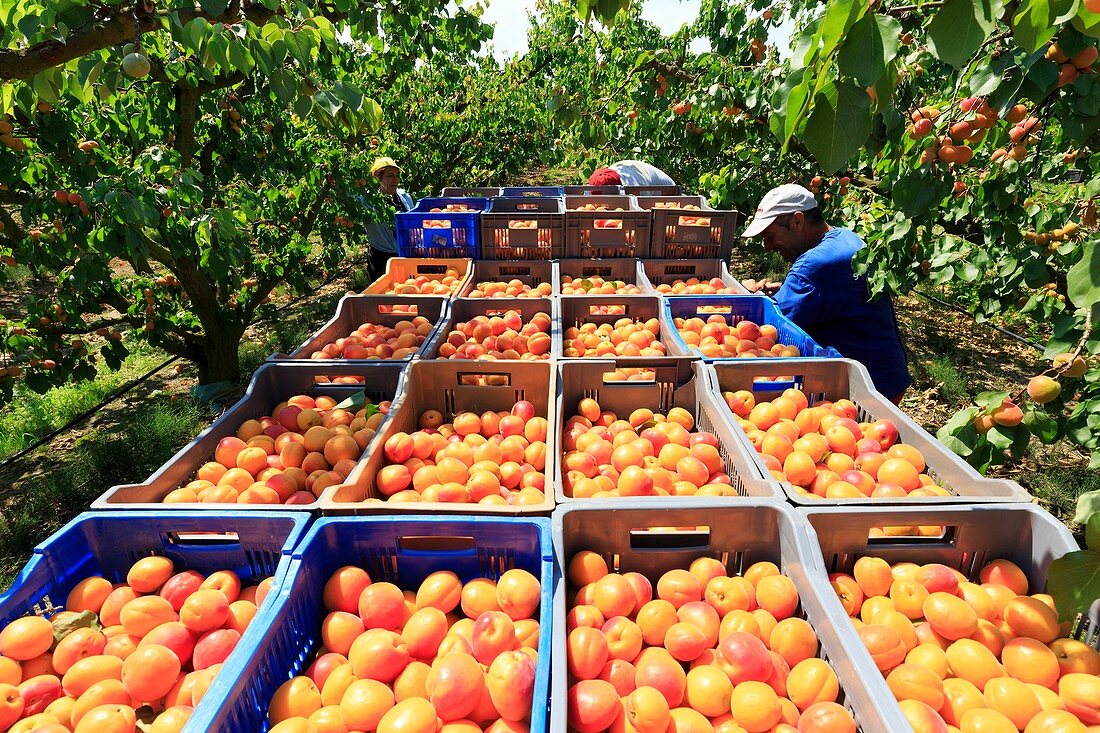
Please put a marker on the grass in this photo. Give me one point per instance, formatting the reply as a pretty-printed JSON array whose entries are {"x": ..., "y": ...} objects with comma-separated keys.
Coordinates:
[
  {"x": 952, "y": 384},
  {"x": 1057, "y": 489},
  {"x": 32, "y": 415},
  {"x": 132, "y": 449}
]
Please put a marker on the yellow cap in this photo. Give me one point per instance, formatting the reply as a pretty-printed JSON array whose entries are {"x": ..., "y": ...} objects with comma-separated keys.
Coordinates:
[{"x": 382, "y": 164}]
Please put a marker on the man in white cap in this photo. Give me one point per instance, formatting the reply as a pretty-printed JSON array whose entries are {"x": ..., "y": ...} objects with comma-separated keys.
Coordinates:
[
  {"x": 822, "y": 294},
  {"x": 381, "y": 236}
]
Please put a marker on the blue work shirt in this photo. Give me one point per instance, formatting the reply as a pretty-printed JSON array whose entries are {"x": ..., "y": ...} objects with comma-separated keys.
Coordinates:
[{"x": 824, "y": 297}]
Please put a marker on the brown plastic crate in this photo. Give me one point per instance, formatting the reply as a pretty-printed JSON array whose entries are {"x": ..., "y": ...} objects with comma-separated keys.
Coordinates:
[
  {"x": 400, "y": 269},
  {"x": 463, "y": 309},
  {"x": 676, "y": 233},
  {"x": 583, "y": 239},
  {"x": 653, "y": 190},
  {"x": 631, "y": 537},
  {"x": 834, "y": 379},
  {"x": 666, "y": 272},
  {"x": 676, "y": 382},
  {"x": 270, "y": 385},
  {"x": 586, "y": 190},
  {"x": 971, "y": 536},
  {"x": 609, "y": 269},
  {"x": 354, "y": 310},
  {"x": 530, "y": 272},
  {"x": 577, "y": 309},
  {"x": 506, "y": 233},
  {"x": 452, "y": 387}
]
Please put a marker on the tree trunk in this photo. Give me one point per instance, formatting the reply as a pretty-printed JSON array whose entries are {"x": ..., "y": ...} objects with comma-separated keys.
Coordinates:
[{"x": 220, "y": 360}]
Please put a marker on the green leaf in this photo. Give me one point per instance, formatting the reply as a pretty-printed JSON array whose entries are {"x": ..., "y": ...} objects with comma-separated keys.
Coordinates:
[
  {"x": 839, "y": 125},
  {"x": 960, "y": 27},
  {"x": 1083, "y": 279},
  {"x": 792, "y": 98},
  {"x": 999, "y": 438},
  {"x": 840, "y": 16},
  {"x": 354, "y": 402},
  {"x": 1042, "y": 425},
  {"x": 1092, "y": 532},
  {"x": 1036, "y": 21},
  {"x": 1074, "y": 581},
  {"x": 1088, "y": 506},
  {"x": 214, "y": 7},
  {"x": 83, "y": 620},
  {"x": 869, "y": 48},
  {"x": 1087, "y": 22},
  {"x": 302, "y": 106},
  {"x": 283, "y": 84}
]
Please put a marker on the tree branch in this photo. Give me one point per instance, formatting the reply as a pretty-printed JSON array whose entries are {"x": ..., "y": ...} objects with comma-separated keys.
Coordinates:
[{"x": 187, "y": 107}]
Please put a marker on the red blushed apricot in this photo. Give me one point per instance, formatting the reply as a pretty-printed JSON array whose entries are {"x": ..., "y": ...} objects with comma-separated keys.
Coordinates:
[
  {"x": 181, "y": 585},
  {"x": 382, "y": 606},
  {"x": 214, "y": 647},
  {"x": 204, "y": 610},
  {"x": 343, "y": 588}
]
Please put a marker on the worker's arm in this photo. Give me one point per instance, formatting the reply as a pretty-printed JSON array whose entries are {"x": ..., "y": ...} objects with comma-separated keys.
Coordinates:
[{"x": 801, "y": 300}]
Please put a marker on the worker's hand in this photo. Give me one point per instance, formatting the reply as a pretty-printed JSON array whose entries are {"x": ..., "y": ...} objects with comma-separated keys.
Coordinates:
[{"x": 762, "y": 287}]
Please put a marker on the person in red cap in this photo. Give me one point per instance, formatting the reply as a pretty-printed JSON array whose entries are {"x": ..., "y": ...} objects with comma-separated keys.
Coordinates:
[
  {"x": 821, "y": 292},
  {"x": 630, "y": 173}
]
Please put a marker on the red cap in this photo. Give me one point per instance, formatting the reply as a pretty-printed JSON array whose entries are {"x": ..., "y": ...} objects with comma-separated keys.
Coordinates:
[{"x": 605, "y": 177}]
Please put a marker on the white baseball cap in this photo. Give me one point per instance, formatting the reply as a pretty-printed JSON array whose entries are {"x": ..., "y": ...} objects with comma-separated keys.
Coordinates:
[{"x": 786, "y": 199}]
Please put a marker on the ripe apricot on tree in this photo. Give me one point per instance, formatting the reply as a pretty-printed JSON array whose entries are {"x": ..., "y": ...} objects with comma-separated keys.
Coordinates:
[{"x": 1042, "y": 389}]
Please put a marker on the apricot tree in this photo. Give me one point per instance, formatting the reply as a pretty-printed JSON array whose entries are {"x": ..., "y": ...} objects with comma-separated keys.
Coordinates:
[
  {"x": 942, "y": 132},
  {"x": 167, "y": 167}
]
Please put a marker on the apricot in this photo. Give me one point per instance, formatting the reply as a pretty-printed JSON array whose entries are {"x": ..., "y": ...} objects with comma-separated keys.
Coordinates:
[
  {"x": 826, "y": 717},
  {"x": 914, "y": 682},
  {"x": 108, "y": 719},
  {"x": 593, "y": 705},
  {"x": 972, "y": 661},
  {"x": 1006, "y": 573},
  {"x": 148, "y": 574},
  {"x": 1030, "y": 617},
  {"x": 812, "y": 681},
  {"x": 755, "y": 706},
  {"x": 86, "y": 672},
  {"x": 1075, "y": 656},
  {"x": 444, "y": 591},
  {"x": 364, "y": 703},
  {"x": 921, "y": 717},
  {"x": 984, "y": 720},
  {"x": 150, "y": 672},
  {"x": 143, "y": 614},
  {"x": 777, "y": 595},
  {"x": 1013, "y": 699},
  {"x": 655, "y": 667},
  {"x": 1081, "y": 695},
  {"x": 89, "y": 594},
  {"x": 1055, "y": 721},
  {"x": 297, "y": 697},
  {"x": 885, "y": 645},
  {"x": 1029, "y": 660},
  {"x": 950, "y": 616},
  {"x": 511, "y": 683},
  {"x": 26, "y": 638},
  {"x": 708, "y": 691}
]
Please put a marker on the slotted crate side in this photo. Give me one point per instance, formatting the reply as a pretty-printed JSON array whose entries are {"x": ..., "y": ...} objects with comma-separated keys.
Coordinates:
[
  {"x": 254, "y": 546},
  {"x": 529, "y": 272},
  {"x": 614, "y": 268},
  {"x": 835, "y": 379},
  {"x": 518, "y": 228},
  {"x": 399, "y": 550},
  {"x": 401, "y": 269},
  {"x": 532, "y": 191},
  {"x": 452, "y": 386},
  {"x": 271, "y": 384},
  {"x": 973, "y": 535},
  {"x": 424, "y": 233},
  {"x": 666, "y": 272},
  {"x": 463, "y": 309},
  {"x": 354, "y": 310},
  {"x": 587, "y": 190},
  {"x": 676, "y": 382},
  {"x": 652, "y": 190},
  {"x": 756, "y": 308},
  {"x": 578, "y": 309},
  {"x": 470, "y": 192},
  {"x": 737, "y": 536},
  {"x": 689, "y": 232},
  {"x": 583, "y": 239}
]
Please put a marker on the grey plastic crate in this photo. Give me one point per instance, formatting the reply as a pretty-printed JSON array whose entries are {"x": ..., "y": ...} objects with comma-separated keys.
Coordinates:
[
  {"x": 666, "y": 272},
  {"x": 653, "y": 190},
  {"x": 270, "y": 385},
  {"x": 678, "y": 232},
  {"x": 353, "y": 310},
  {"x": 973, "y": 535},
  {"x": 834, "y": 379},
  {"x": 529, "y": 272},
  {"x": 452, "y": 386},
  {"x": 463, "y": 309},
  {"x": 470, "y": 191},
  {"x": 738, "y": 536},
  {"x": 507, "y": 232},
  {"x": 578, "y": 309},
  {"x": 584, "y": 239},
  {"x": 623, "y": 269},
  {"x": 400, "y": 269},
  {"x": 676, "y": 382}
]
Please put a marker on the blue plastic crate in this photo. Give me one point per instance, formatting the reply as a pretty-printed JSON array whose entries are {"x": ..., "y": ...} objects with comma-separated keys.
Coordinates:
[
  {"x": 457, "y": 235},
  {"x": 108, "y": 543},
  {"x": 755, "y": 308},
  {"x": 532, "y": 191},
  {"x": 392, "y": 549}
]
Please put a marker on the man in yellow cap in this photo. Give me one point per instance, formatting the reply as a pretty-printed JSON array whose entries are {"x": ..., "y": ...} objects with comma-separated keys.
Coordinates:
[{"x": 381, "y": 236}]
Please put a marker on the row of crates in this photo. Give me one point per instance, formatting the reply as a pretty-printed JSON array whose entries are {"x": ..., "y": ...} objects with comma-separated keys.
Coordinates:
[
  {"x": 573, "y": 226},
  {"x": 300, "y": 553},
  {"x": 557, "y": 191}
]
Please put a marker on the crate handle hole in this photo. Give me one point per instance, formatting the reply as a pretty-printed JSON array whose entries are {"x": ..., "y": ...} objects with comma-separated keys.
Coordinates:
[
  {"x": 619, "y": 377},
  {"x": 669, "y": 538},
  {"x": 712, "y": 310},
  {"x": 480, "y": 379},
  {"x": 433, "y": 543},
  {"x": 949, "y": 535},
  {"x": 203, "y": 538}
]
